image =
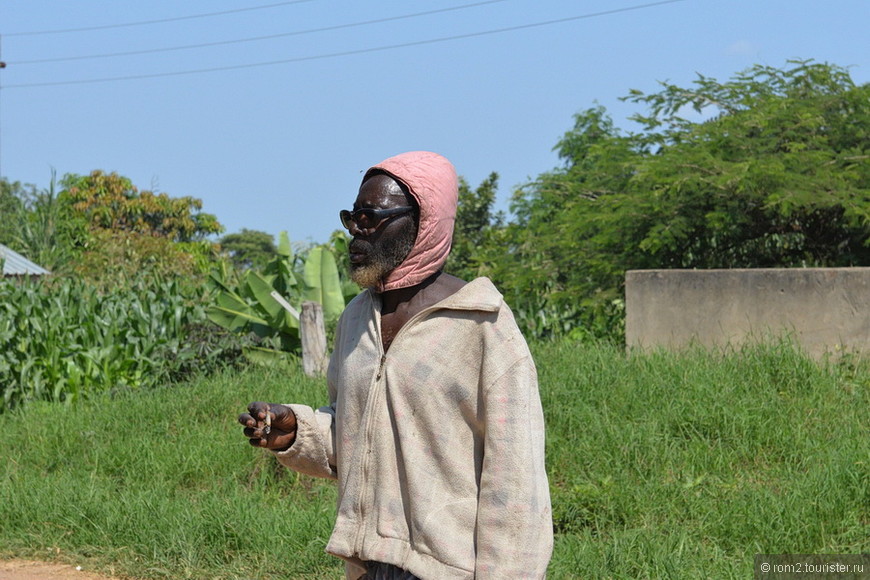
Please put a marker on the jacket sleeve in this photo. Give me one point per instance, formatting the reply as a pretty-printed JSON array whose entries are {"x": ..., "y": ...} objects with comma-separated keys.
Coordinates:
[
  {"x": 514, "y": 534},
  {"x": 313, "y": 451}
]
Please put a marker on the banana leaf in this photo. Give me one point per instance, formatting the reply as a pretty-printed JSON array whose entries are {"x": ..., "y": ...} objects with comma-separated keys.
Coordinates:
[
  {"x": 322, "y": 282},
  {"x": 261, "y": 289},
  {"x": 232, "y": 319}
]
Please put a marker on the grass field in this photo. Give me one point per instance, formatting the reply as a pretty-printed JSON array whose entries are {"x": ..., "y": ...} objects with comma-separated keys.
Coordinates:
[{"x": 661, "y": 466}]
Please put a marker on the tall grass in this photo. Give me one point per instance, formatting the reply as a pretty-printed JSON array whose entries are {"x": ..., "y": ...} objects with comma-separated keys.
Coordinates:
[
  {"x": 161, "y": 484},
  {"x": 661, "y": 466},
  {"x": 684, "y": 466}
]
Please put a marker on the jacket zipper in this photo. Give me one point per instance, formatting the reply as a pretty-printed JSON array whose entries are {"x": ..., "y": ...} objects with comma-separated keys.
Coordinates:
[
  {"x": 364, "y": 468},
  {"x": 381, "y": 367},
  {"x": 370, "y": 405}
]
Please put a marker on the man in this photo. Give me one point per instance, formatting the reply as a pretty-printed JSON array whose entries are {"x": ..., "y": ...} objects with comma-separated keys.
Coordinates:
[{"x": 434, "y": 430}]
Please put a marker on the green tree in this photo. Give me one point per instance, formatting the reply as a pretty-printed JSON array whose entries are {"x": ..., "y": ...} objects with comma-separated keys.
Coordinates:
[
  {"x": 780, "y": 176},
  {"x": 475, "y": 225},
  {"x": 556, "y": 227},
  {"x": 11, "y": 209},
  {"x": 249, "y": 248},
  {"x": 133, "y": 233},
  {"x": 111, "y": 201},
  {"x": 39, "y": 224},
  {"x": 768, "y": 169}
]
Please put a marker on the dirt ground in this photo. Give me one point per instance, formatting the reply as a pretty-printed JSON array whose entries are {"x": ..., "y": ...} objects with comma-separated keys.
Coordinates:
[{"x": 29, "y": 570}]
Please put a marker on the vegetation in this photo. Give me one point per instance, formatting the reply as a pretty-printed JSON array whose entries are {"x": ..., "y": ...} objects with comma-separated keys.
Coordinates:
[
  {"x": 768, "y": 169},
  {"x": 101, "y": 228},
  {"x": 37, "y": 224},
  {"x": 132, "y": 233},
  {"x": 143, "y": 469},
  {"x": 249, "y": 248},
  {"x": 112, "y": 202},
  {"x": 159, "y": 483},
  {"x": 475, "y": 230},
  {"x": 268, "y": 303},
  {"x": 760, "y": 451},
  {"x": 61, "y": 340}
]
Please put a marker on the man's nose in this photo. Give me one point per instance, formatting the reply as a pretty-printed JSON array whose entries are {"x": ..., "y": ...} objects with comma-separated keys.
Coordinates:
[
  {"x": 354, "y": 230},
  {"x": 357, "y": 232}
]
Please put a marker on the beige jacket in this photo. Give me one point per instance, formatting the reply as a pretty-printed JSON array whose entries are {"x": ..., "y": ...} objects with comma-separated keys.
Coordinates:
[{"x": 437, "y": 446}]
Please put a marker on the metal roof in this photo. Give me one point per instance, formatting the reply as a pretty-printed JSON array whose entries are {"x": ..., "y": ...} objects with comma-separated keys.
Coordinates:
[{"x": 14, "y": 264}]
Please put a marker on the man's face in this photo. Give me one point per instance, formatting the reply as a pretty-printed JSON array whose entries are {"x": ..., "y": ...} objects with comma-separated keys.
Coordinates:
[{"x": 377, "y": 250}]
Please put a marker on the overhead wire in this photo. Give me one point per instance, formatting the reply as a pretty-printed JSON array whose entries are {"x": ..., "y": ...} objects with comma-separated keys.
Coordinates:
[
  {"x": 351, "y": 52},
  {"x": 258, "y": 38},
  {"x": 156, "y": 21}
]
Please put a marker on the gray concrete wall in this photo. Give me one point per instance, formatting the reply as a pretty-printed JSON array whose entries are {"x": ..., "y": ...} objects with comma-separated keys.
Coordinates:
[{"x": 824, "y": 309}]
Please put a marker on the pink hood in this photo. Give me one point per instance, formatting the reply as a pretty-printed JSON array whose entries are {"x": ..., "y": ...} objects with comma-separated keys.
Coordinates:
[{"x": 432, "y": 181}]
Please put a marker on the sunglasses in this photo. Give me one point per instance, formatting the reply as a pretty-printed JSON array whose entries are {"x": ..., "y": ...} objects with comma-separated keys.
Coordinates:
[{"x": 368, "y": 218}]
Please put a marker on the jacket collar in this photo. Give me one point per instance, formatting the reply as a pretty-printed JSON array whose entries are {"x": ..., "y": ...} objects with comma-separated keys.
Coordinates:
[{"x": 479, "y": 294}]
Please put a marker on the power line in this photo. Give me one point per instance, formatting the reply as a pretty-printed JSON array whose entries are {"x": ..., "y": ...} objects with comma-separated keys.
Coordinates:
[
  {"x": 158, "y": 21},
  {"x": 350, "y": 52},
  {"x": 257, "y": 38}
]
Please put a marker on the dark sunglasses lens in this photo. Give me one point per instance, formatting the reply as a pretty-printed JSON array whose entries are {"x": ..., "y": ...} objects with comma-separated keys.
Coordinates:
[
  {"x": 369, "y": 218},
  {"x": 346, "y": 218},
  {"x": 364, "y": 218}
]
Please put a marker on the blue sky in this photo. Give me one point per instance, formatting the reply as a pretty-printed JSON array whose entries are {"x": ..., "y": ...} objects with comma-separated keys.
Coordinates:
[{"x": 276, "y": 134}]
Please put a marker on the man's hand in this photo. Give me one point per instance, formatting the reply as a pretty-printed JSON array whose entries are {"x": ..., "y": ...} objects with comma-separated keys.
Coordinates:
[{"x": 269, "y": 425}]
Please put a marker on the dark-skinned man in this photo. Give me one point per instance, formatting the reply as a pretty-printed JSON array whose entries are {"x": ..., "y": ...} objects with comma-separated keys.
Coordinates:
[{"x": 434, "y": 428}]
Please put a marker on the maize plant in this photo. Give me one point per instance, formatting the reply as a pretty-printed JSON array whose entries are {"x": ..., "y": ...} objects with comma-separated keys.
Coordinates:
[{"x": 60, "y": 340}]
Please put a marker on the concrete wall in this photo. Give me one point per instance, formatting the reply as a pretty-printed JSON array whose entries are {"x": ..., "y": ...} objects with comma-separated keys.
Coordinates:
[{"x": 825, "y": 309}]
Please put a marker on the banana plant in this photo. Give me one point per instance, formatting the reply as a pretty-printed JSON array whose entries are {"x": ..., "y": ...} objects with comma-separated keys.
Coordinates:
[
  {"x": 322, "y": 283},
  {"x": 253, "y": 302},
  {"x": 339, "y": 246},
  {"x": 267, "y": 303}
]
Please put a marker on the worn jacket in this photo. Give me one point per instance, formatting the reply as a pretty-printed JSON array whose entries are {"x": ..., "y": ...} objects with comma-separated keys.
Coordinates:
[{"x": 437, "y": 445}]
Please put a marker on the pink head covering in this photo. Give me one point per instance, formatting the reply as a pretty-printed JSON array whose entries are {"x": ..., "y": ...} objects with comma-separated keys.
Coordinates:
[{"x": 432, "y": 180}]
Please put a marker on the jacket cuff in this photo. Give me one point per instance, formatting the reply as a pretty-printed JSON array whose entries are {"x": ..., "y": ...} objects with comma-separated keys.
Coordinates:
[{"x": 312, "y": 449}]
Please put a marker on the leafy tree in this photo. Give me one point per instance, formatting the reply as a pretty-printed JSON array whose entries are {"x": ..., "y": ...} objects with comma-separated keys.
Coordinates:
[
  {"x": 768, "y": 169},
  {"x": 38, "y": 224},
  {"x": 475, "y": 225},
  {"x": 133, "y": 233},
  {"x": 555, "y": 231},
  {"x": 249, "y": 248},
  {"x": 11, "y": 209},
  {"x": 780, "y": 176},
  {"x": 116, "y": 259},
  {"x": 112, "y": 202}
]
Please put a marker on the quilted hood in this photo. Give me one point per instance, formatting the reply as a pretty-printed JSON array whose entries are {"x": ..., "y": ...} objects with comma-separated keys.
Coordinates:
[{"x": 432, "y": 180}]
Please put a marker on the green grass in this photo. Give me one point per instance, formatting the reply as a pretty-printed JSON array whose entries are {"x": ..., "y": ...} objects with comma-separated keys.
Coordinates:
[
  {"x": 661, "y": 466},
  {"x": 162, "y": 484},
  {"x": 685, "y": 466}
]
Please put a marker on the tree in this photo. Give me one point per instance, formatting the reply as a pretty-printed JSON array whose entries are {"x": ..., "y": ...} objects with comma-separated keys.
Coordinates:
[
  {"x": 132, "y": 233},
  {"x": 780, "y": 176},
  {"x": 112, "y": 202},
  {"x": 11, "y": 209},
  {"x": 249, "y": 248},
  {"x": 38, "y": 224},
  {"x": 770, "y": 168},
  {"x": 475, "y": 224}
]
